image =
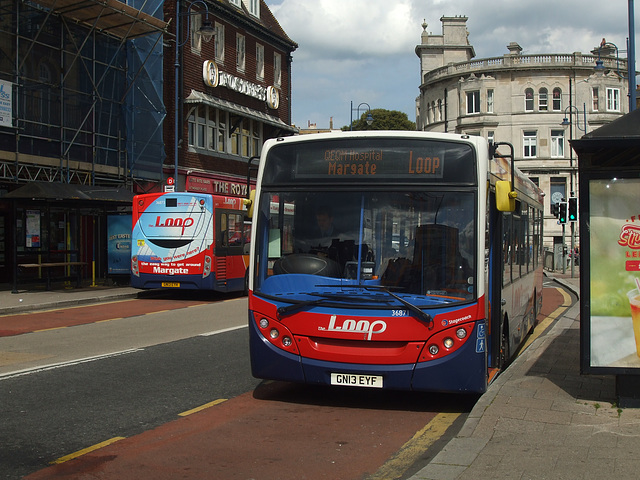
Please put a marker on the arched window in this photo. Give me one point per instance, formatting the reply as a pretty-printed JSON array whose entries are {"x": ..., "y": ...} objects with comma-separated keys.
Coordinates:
[
  {"x": 557, "y": 99},
  {"x": 528, "y": 100},
  {"x": 543, "y": 100}
]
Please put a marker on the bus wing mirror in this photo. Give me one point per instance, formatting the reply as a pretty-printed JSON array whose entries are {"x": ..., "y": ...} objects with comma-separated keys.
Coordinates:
[
  {"x": 505, "y": 197},
  {"x": 249, "y": 203}
]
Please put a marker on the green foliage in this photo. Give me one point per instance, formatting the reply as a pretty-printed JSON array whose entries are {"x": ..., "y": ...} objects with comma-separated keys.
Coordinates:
[{"x": 383, "y": 120}]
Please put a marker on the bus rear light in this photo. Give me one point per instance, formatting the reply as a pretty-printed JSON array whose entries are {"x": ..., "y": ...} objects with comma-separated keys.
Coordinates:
[
  {"x": 206, "y": 268},
  {"x": 276, "y": 333},
  {"x": 134, "y": 266}
]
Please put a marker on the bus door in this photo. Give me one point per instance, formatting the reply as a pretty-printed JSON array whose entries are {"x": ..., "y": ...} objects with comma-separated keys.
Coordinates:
[
  {"x": 230, "y": 262},
  {"x": 496, "y": 243}
]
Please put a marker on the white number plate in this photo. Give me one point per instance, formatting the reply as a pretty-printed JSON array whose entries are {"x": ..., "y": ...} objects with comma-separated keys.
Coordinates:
[{"x": 356, "y": 380}]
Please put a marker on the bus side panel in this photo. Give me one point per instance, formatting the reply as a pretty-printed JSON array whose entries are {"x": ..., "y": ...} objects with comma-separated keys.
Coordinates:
[
  {"x": 464, "y": 371},
  {"x": 270, "y": 362}
]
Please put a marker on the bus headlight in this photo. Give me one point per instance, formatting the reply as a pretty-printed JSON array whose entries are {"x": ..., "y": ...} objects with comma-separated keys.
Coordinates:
[
  {"x": 461, "y": 333},
  {"x": 276, "y": 333},
  {"x": 448, "y": 342},
  {"x": 433, "y": 349}
]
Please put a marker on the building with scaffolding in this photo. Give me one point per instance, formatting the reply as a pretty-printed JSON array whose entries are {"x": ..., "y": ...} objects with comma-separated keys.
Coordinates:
[{"x": 87, "y": 115}]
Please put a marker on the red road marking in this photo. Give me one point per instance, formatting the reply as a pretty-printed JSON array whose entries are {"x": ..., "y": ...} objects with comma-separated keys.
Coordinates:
[
  {"x": 275, "y": 436},
  {"x": 69, "y": 317}
]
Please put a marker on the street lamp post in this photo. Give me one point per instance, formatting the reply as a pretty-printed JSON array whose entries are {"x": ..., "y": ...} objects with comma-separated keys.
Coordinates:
[
  {"x": 568, "y": 122},
  {"x": 369, "y": 118},
  {"x": 207, "y": 32}
]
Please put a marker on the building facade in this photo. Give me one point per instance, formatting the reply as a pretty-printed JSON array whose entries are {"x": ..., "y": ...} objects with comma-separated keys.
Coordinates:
[
  {"x": 523, "y": 100},
  {"x": 234, "y": 92},
  {"x": 89, "y": 115}
]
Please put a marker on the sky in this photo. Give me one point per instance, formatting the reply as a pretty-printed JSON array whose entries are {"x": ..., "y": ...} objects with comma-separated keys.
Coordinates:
[{"x": 362, "y": 52}]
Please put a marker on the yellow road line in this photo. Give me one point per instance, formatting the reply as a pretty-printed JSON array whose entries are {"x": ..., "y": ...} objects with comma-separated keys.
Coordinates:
[
  {"x": 202, "y": 407},
  {"x": 414, "y": 448},
  {"x": 542, "y": 326},
  {"x": 84, "y": 451}
]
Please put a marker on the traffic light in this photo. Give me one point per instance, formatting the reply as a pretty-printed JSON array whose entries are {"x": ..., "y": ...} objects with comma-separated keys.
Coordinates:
[
  {"x": 562, "y": 217},
  {"x": 555, "y": 209},
  {"x": 573, "y": 209}
]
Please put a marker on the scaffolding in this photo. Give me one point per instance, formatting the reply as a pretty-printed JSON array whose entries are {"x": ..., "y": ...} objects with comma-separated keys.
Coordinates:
[{"x": 86, "y": 78}]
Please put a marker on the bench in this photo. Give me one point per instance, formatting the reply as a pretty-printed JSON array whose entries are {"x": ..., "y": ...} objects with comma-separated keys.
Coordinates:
[{"x": 49, "y": 265}]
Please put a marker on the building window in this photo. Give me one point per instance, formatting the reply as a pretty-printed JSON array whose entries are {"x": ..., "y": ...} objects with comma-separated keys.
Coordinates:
[
  {"x": 613, "y": 99},
  {"x": 558, "y": 187},
  {"x": 196, "y": 40},
  {"x": 253, "y": 6},
  {"x": 219, "y": 43},
  {"x": 209, "y": 130},
  {"x": 439, "y": 109},
  {"x": 490, "y": 100},
  {"x": 473, "y": 102},
  {"x": 240, "y": 52},
  {"x": 259, "y": 61},
  {"x": 542, "y": 100},
  {"x": 235, "y": 2},
  {"x": 528, "y": 100},
  {"x": 557, "y": 143},
  {"x": 594, "y": 98},
  {"x": 277, "y": 69},
  {"x": 530, "y": 143},
  {"x": 557, "y": 99}
]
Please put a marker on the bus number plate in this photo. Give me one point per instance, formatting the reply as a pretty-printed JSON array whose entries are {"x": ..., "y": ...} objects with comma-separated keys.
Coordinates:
[
  {"x": 171, "y": 284},
  {"x": 356, "y": 380}
]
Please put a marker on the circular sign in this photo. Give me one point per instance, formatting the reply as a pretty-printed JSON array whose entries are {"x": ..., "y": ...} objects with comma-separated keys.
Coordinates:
[
  {"x": 210, "y": 73},
  {"x": 273, "y": 98},
  {"x": 170, "y": 181},
  {"x": 556, "y": 197}
]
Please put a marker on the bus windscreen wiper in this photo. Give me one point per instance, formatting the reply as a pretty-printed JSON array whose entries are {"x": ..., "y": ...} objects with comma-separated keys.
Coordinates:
[{"x": 325, "y": 297}]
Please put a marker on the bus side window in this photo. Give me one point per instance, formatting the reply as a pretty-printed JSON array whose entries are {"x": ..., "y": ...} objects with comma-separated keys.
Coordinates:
[{"x": 223, "y": 230}]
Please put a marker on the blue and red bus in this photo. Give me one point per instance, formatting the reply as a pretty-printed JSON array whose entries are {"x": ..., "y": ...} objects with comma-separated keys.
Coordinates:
[
  {"x": 188, "y": 240},
  {"x": 398, "y": 260}
]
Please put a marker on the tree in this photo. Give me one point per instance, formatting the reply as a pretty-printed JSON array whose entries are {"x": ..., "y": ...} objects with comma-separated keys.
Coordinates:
[{"x": 383, "y": 120}]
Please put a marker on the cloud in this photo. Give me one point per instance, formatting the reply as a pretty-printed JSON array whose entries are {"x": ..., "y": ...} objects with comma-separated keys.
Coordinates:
[
  {"x": 364, "y": 50},
  {"x": 339, "y": 29}
]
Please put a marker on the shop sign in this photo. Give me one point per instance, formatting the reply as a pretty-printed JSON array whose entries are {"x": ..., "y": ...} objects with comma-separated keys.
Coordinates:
[{"x": 213, "y": 77}]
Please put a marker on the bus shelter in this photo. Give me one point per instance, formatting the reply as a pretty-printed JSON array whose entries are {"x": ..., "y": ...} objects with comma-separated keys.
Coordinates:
[{"x": 609, "y": 216}]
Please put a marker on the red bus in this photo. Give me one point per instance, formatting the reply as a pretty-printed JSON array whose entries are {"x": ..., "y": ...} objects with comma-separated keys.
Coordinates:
[
  {"x": 399, "y": 260},
  {"x": 188, "y": 240}
]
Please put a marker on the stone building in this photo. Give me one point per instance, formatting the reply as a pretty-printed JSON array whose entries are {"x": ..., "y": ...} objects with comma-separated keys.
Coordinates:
[{"x": 522, "y": 99}]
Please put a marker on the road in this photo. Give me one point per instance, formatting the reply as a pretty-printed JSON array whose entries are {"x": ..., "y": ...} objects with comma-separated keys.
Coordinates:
[{"x": 132, "y": 376}]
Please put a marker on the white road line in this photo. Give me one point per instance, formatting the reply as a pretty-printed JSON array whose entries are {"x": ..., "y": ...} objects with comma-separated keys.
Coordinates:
[
  {"x": 224, "y": 330},
  {"x": 53, "y": 366}
]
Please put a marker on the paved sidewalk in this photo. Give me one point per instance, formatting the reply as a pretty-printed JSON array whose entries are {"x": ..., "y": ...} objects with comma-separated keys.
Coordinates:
[
  {"x": 542, "y": 419},
  {"x": 39, "y": 299}
]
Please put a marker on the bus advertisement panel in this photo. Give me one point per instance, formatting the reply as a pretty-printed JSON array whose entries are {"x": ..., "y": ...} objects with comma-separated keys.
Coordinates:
[
  {"x": 376, "y": 256},
  {"x": 188, "y": 240}
]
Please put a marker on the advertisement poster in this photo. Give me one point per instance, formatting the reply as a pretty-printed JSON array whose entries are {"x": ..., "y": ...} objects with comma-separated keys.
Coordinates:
[
  {"x": 119, "y": 244},
  {"x": 33, "y": 229},
  {"x": 614, "y": 236},
  {"x": 6, "y": 107}
]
